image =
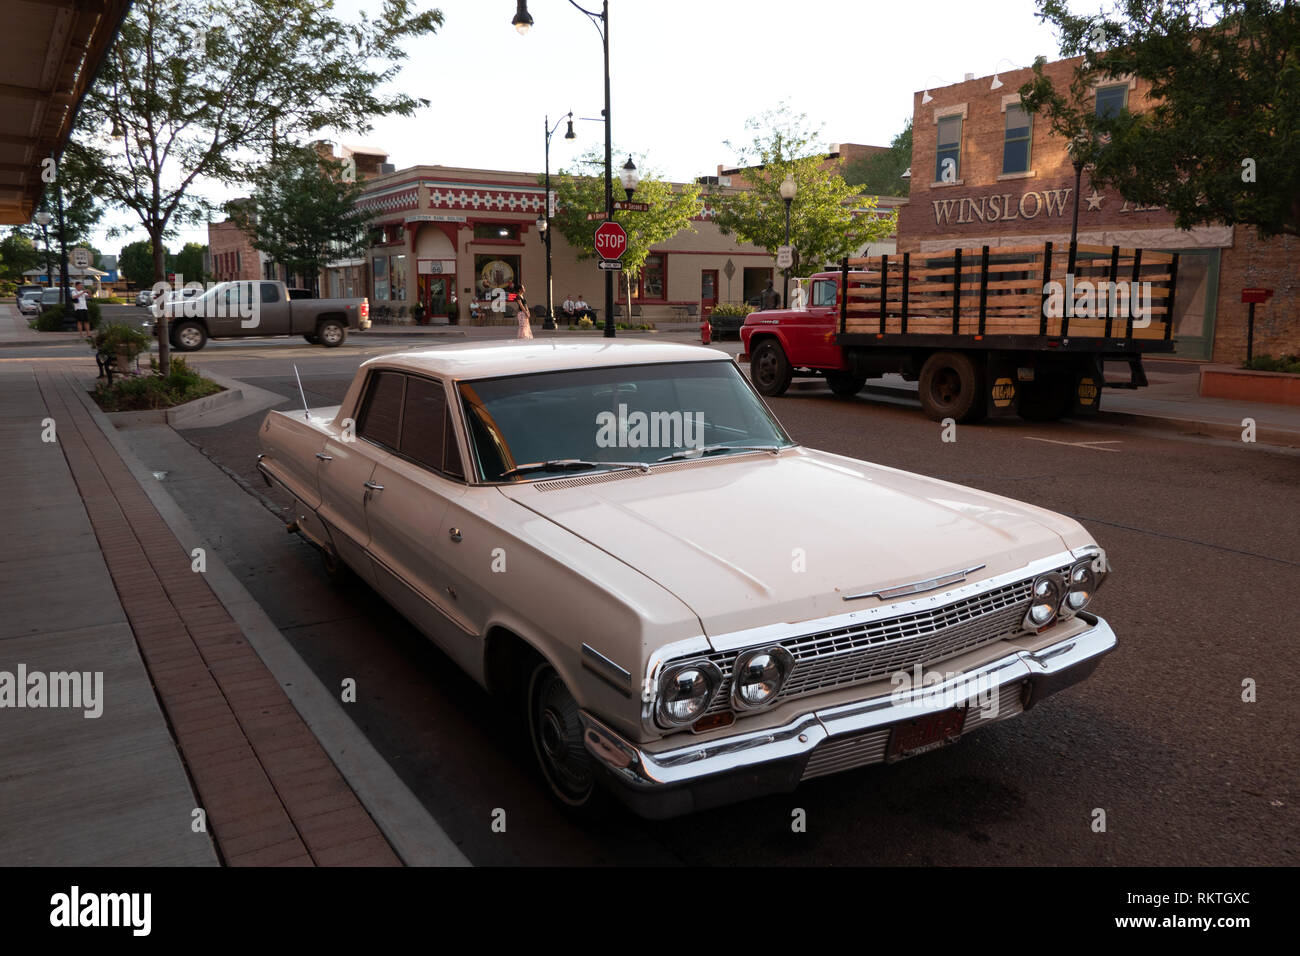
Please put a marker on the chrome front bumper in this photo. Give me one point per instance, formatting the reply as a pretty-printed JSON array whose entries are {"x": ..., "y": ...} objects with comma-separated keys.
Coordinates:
[{"x": 697, "y": 776}]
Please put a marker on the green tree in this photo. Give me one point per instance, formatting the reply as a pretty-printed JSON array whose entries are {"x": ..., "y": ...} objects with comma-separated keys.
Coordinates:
[
  {"x": 304, "y": 213},
  {"x": 198, "y": 90},
  {"x": 1218, "y": 144},
  {"x": 135, "y": 263},
  {"x": 881, "y": 174},
  {"x": 823, "y": 224},
  {"x": 189, "y": 262},
  {"x": 671, "y": 210},
  {"x": 18, "y": 254}
]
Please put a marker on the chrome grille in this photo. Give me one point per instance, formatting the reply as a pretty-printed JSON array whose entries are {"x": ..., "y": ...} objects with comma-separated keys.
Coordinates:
[
  {"x": 868, "y": 747},
  {"x": 876, "y": 649}
]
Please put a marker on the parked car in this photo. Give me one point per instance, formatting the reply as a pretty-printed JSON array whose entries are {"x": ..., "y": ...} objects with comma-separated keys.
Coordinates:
[
  {"x": 144, "y": 298},
  {"x": 262, "y": 308},
  {"x": 24, "y": 291},
  {"x": 690, "y": 607},
  {"x": 29, "y": 299}
]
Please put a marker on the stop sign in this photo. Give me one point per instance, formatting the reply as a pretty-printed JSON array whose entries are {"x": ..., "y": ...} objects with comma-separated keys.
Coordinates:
[{"x": 611, "y": 240}]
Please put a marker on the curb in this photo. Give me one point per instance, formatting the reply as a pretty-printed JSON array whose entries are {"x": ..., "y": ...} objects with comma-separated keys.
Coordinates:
[{"x": 415, "y": 836}]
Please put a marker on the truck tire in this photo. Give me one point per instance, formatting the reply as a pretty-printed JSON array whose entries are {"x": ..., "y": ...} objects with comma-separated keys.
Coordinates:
[
  {"x": 845, "y": 384},
  {"x": 189, "y": 336},
  {"x": 332, "y": 333},
  {"x": 312, "y": 338},
  {"x": 769, "y": 369},
  {"x": 1044, "y": 400},
  {"x": 951, "y": 386}
]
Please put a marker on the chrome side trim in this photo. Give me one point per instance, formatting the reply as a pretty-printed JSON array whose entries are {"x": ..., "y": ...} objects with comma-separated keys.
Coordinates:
[
  {"x": 917, "y": 587},
  {"x": 647, "y": 772},
  {"x": 600, "y": 665}
]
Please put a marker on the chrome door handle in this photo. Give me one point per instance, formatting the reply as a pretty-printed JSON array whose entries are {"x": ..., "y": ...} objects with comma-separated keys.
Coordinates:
[
  {"x": 454, "y": 533},
  {"x": 324, "y": 457},
  {"x": 374, "y": 486}
]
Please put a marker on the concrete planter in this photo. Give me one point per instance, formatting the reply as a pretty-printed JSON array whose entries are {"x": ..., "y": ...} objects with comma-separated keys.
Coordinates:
[{"x": 1247, "y": 385}]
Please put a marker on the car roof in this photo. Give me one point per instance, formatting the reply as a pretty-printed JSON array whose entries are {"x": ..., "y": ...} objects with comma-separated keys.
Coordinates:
[{"x": 470, "y": 360}]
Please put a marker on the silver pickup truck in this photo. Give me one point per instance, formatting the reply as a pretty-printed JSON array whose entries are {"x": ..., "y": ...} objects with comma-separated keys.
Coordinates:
[{"x": 261, "y": 308}]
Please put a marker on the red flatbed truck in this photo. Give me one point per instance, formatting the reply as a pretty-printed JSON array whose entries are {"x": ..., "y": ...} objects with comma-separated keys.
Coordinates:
[{"x": 985, "y": 331}]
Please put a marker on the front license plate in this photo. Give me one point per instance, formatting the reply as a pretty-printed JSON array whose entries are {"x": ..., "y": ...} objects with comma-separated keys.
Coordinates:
[{"x": 925, "y": 733}]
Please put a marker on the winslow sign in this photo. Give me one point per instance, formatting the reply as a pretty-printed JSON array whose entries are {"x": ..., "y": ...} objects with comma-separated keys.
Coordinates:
[{"x": 1002, "y": 207}]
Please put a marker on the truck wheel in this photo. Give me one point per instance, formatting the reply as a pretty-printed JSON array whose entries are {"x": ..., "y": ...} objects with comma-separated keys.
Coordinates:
[
  {"x": 332, "y": 333},
  {"x": 770, "y": 369},
  {"x": 845, "y": 384},
  {"x": 189, "y": 336},
  {"x": 556, "y": 733},
  {"x": 1044, "y": 400},
  {"x": 952, "y": 387},
  {"x": 312, "y": 338}
]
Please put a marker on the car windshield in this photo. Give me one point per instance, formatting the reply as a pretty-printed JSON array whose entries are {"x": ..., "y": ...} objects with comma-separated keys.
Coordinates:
[{"x": 526, "y": 427}]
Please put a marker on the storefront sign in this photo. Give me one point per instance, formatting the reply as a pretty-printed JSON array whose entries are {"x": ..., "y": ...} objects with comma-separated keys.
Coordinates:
[
  {"x": 427, "y": 217},
  {"x": 435, "y": 267},
  {"x": 1029, "y": 206}
]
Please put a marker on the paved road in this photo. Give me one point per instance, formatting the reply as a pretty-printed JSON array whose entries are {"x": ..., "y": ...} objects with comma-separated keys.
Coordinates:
[{"x": 1205, "y": 539}]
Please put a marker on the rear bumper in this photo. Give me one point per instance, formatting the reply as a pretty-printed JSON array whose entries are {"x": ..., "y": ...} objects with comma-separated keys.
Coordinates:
[{"x": 699, "y": 776}]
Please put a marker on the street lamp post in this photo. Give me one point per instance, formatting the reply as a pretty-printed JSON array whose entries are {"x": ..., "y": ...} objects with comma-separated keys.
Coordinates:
[
  {"x": 544, "y": 223},
  {"x": 1076, "y": 159},
  {"x": 788, "y": 190},
  {"x": 43, "y": 219},
  {"x": 521, "y": 22}
]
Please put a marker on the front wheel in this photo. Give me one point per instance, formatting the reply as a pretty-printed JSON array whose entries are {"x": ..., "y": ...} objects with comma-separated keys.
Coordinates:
[
  {"x": 845, "y": 384},
  {"x": 332, "y": 333},
  {"x": 769, "y": 369},
  {"x": 556, "y": 733}
]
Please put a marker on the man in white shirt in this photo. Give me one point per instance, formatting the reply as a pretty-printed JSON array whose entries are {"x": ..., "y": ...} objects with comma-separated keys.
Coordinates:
[
  {"x": 582, "y": 309},
  {"x": 568, "y": 309},
  {"x": 80, "y": 310}
]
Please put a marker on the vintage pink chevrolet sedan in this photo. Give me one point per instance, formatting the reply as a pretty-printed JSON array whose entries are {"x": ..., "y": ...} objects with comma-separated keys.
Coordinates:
[{"x": 691, "y": 608}]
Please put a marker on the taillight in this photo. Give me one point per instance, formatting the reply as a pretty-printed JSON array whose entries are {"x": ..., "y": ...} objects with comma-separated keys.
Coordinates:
[{"x": 365, "y": 308}]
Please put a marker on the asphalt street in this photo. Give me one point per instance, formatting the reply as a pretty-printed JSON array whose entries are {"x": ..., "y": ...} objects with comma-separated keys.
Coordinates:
[{"x": 1204, "y": 538}]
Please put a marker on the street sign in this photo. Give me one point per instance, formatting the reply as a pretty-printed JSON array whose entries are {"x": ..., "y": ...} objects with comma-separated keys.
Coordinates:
[
  {"x": 595, "y": 216},
  {"x": 729, "y": 270},
  {"x": 631, "y": 206},
  {"x": 784, "y": 257},
  {"x": 550, "y": 204},
  {"x": 611, "y": 240},
  {"x": 610, "y": 265},
  {"x": 1256, "y": 295},
  {"x": 81, "y": 258}
]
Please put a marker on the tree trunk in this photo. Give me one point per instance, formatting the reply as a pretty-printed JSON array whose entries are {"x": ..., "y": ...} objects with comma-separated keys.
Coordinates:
[
  {"x": 160, "y": 275},
  {"x": 628, "y": 280}
]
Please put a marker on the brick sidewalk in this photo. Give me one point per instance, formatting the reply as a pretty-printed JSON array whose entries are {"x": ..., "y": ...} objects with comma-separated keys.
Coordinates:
[{"x": 271, "y": 794}]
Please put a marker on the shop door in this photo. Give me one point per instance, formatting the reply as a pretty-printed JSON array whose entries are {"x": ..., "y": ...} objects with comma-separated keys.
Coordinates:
[
  {"x": 1194, "y": 302},
  {"x": 434, "y": 293},
  {"x": 708, "y": 292}
]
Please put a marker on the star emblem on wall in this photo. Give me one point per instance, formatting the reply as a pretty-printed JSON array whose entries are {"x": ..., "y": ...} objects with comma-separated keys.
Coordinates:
[{"x": 1095, "y": 200}]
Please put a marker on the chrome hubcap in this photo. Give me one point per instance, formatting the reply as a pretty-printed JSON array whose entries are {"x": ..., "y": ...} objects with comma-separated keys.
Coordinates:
[{"x": 190, "y": 337}]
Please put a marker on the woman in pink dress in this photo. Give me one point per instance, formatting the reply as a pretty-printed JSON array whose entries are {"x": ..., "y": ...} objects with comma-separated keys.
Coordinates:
[{"x": 524, "y": 316}]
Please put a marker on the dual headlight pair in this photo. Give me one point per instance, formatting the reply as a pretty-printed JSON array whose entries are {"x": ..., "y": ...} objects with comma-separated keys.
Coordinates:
[
  {"x": 1056, "y": 595},
  {"x": 687, "y": 690}
]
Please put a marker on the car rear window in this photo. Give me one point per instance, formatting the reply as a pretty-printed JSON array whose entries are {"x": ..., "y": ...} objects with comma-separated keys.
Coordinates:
[{"x": 381, "y": 419}]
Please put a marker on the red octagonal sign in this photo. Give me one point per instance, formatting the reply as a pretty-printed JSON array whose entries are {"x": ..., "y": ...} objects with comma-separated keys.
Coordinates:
[{"x": 611, "y": 240}]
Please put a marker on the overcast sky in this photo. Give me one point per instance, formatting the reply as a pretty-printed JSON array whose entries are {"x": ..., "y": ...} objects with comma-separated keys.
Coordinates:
[{"x": 685, "y": 75}]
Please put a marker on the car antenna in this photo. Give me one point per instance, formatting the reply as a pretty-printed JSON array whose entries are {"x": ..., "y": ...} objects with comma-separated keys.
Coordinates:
[{"x": 306, "y": 412}]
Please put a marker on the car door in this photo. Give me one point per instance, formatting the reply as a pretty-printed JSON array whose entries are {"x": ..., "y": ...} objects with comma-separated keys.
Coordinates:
[
  {"x": 821, "y": 320},
  {"x": 225, "y": 308},
  {"x": 347, "y": 468},
  {"x": 409, "y": 531},
  {"x": 273, "y": 311}
]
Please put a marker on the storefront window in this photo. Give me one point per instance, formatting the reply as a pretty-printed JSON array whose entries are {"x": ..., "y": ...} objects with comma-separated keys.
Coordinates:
[
  {"x": 397, "y": 279},
  {"x": 490, "y": 231},
  {"x": 495, "y": 272},
  {"x": 654, "y": 277},
  {"x": 381, "y": 278}
]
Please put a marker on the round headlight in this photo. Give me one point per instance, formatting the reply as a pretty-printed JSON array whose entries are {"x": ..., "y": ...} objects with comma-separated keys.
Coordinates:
[
  {"x": 1082, "y": 586},
  {"x": 1045, "y": 600},
  {"x": 759, "y": 675},
  {"x": 686, "y": 690}
]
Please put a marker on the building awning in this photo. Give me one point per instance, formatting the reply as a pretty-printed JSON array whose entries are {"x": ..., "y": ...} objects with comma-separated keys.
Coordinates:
[{"x": 50, "y": 51}]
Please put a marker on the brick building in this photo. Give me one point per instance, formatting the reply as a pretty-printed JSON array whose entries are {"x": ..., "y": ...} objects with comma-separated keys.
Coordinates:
[
  {"x": 230, "y": 253},
  {"x": 1014, "y": 185}
]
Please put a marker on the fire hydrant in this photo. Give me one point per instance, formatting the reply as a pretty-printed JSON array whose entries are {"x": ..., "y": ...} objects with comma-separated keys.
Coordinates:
[{"x": 706, "y": 332}]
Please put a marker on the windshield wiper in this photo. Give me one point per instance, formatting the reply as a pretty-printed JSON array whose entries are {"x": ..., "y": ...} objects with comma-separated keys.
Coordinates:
[
  {"x": 710, "y": 449},
  {"x": 572, "y": 464}
]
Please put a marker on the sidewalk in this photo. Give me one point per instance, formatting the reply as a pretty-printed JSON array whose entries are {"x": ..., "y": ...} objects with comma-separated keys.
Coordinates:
[
  {"x": 15, "y": 332},
  {"x": 94, "y": 580}
]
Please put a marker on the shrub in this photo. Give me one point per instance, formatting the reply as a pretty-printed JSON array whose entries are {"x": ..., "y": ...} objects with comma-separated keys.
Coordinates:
[
  {"x": 109, "y": 338},
  {"x": 131, "y": 393},
  {"x": 730, "y": 308},
  {"x": 51, "y": 319},
  {"x": 1267, "y": 363},
  {"x": 586, "y": 323}
]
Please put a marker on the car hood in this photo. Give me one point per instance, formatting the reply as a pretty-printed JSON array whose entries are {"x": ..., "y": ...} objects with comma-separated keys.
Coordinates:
[{"x": 759, "y": 539}]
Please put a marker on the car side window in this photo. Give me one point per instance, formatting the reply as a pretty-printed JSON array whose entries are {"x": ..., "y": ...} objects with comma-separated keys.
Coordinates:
[
  {"x": 428, "y": 436},
  {"x": 823, "y": 293},
  {"x": 381, "y": 418},
  {"x": 270, "y": 292}
]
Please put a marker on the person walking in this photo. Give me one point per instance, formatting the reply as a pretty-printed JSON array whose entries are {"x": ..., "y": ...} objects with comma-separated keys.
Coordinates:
[
  {"x": 522, "y": 314},
  {"x": 80, "y": 310}
]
